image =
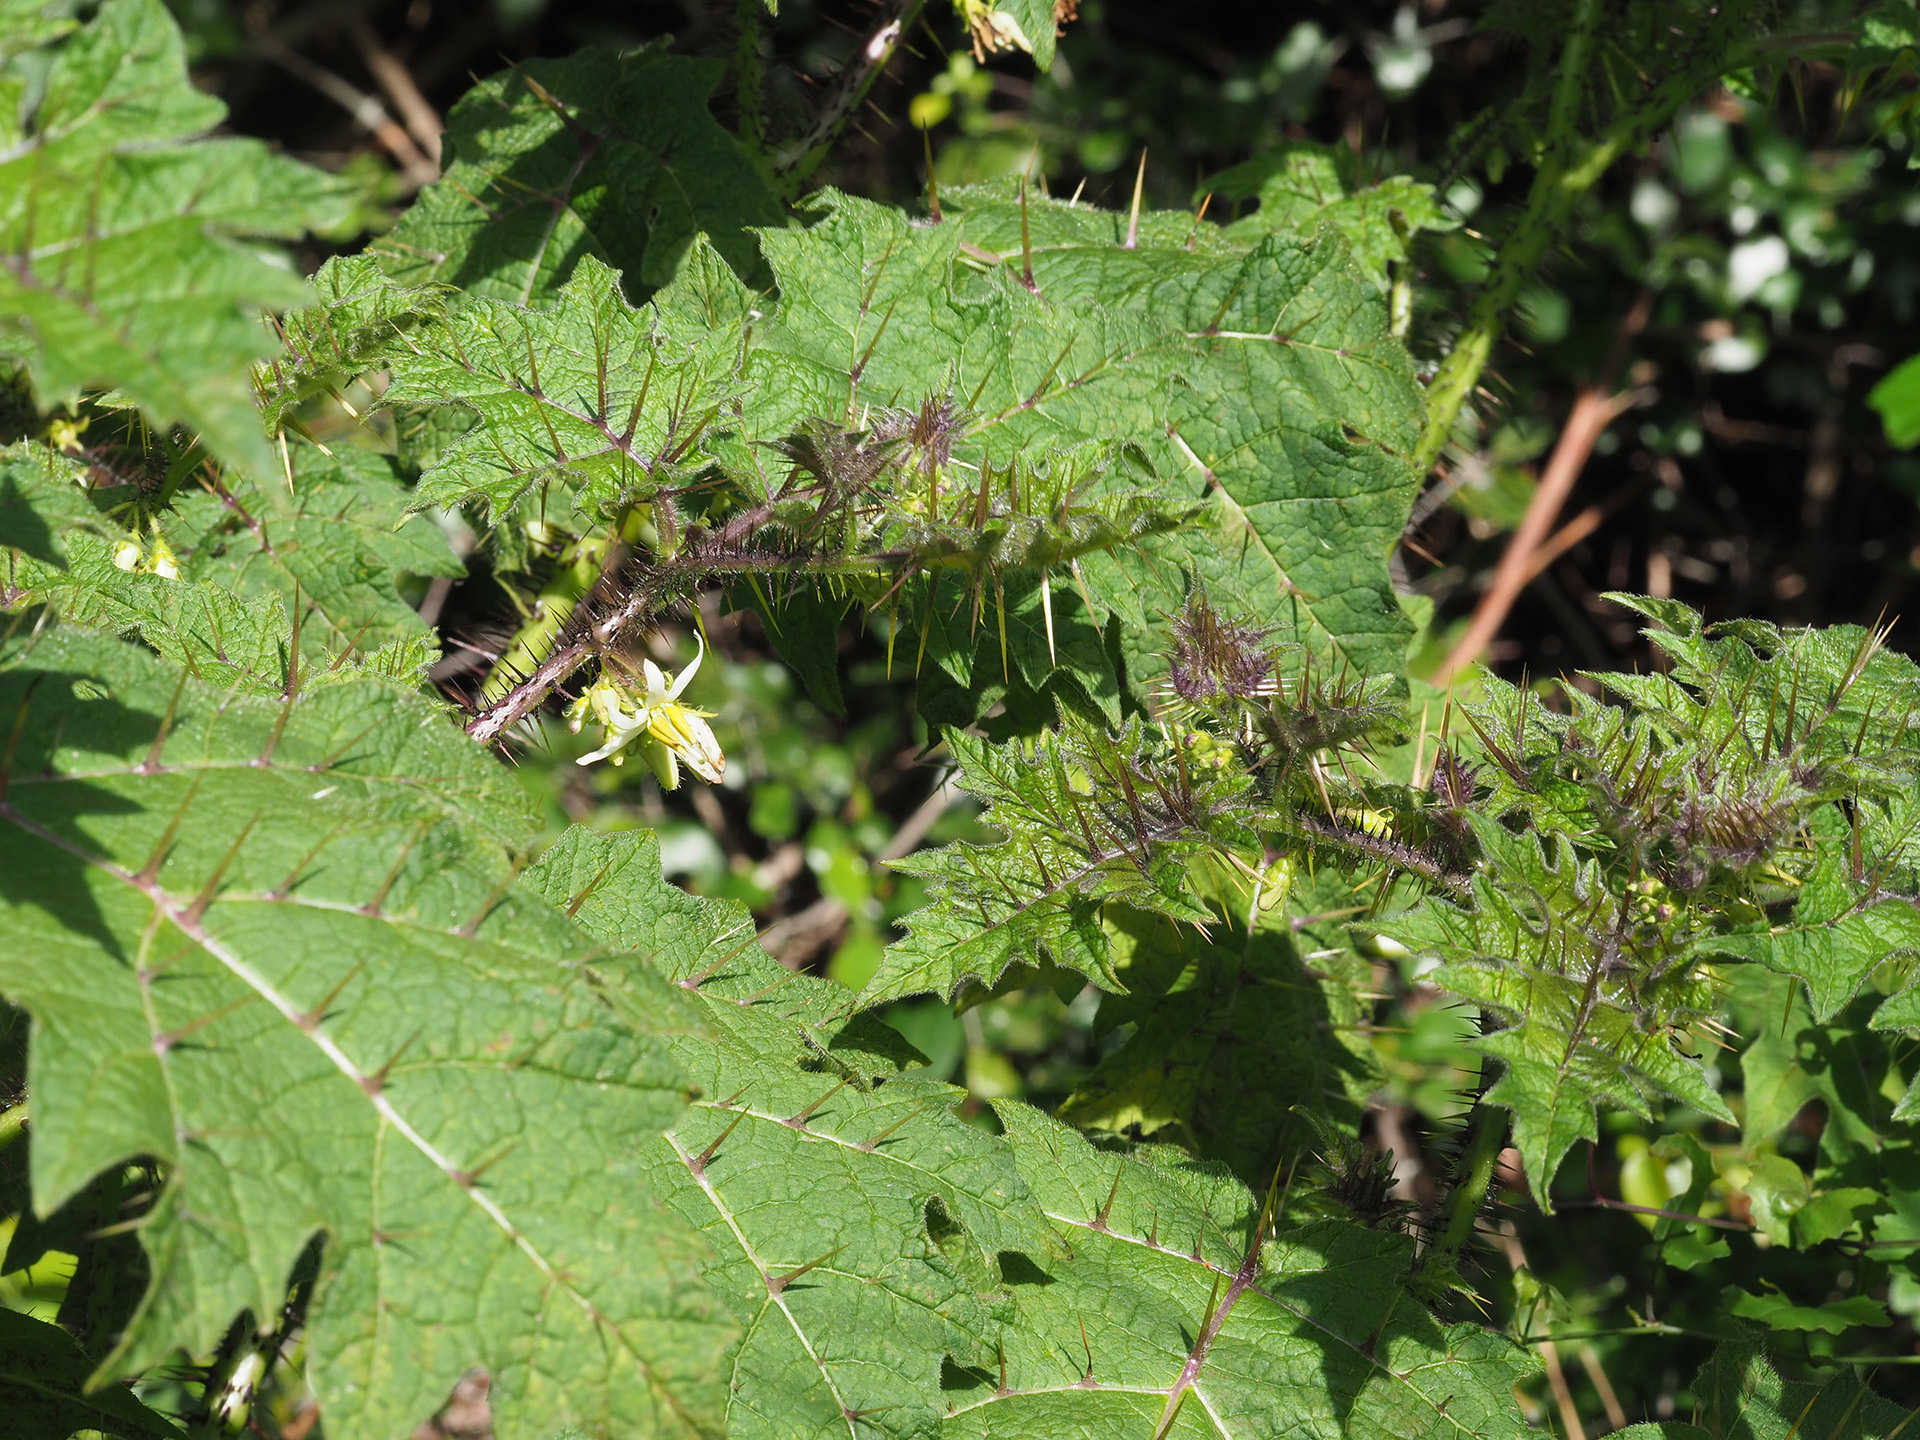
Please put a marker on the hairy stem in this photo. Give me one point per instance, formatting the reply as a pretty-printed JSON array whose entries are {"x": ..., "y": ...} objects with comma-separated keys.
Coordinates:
[
  {"x": 572, "y": 581},
  {"x": 1569, "y": 166},
  {"x": 749, "y": 78},
  {"x": 1548, "y": 203},
  {"x": 1471, "y": 1184},
  {"x": 797, "y": 161}
]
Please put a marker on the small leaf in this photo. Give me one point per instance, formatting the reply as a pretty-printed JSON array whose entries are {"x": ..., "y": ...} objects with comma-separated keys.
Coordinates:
[
  {"x": 43, "y": 1385},
  {"x": 612, "y": 156}
]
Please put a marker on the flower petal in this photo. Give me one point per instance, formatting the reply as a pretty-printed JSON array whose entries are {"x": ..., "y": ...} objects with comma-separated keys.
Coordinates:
[{"x": 699, "y": 654}]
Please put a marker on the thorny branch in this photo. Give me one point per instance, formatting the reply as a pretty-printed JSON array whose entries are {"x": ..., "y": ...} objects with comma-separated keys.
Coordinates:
[{"x": 795, "y": 162}]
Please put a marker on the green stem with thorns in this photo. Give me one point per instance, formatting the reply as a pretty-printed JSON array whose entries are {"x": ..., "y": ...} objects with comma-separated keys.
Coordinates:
[
  {"x": 1469, "y": 1196},
  {"x": 1569, "y": 166}
]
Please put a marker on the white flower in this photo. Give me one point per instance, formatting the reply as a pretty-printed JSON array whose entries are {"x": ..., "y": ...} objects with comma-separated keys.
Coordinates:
[
  {"x": 653, "y": 722},
  {"x": 163, "y": 562}
]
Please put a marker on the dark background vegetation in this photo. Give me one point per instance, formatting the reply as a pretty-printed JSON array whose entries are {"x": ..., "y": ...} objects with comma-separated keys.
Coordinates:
[{"x": 1777, "y": 235}]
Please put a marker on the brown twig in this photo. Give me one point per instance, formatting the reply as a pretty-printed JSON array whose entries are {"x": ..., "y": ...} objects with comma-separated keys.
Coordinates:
[
  {"x": 1593, "y": 410},
  {"x": 422, "y": 120},
  {"x": 796, "y": 938},
  {"x": 365, "y": 109},
  {"x": 1576, "y": 530},
  {"x": 1549, "y": 1353}
]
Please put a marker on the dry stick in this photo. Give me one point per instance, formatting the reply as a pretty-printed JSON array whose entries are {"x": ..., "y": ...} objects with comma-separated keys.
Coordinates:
[
  {"x": 1616, "y": 1416},
  {"x": 365, "y": 109},
  {"x": 1549, "y": 1353},
  {"x": 1593, "y": 411},
  {"x": 421, "y": 119},
  {"x": 788, "y": 936}
]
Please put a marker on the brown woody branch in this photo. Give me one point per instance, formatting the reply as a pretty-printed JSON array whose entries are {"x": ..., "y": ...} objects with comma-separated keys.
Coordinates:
[{"x": 1593, "y": 410}]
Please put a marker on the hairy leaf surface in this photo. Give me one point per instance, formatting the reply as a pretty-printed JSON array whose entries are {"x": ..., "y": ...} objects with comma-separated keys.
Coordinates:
[
  {"x": 591, "y": 392},
  {"x": 603, "y": 155},
  {"x": 1293, "y": 421},
  {"x": 278, "y": 947},
  {"x": 1166, "y": 1320},
  {"x": 855, "y": 1219},
  {"x": 247, "y": 552},
  {"x": 120, "y": 223}
]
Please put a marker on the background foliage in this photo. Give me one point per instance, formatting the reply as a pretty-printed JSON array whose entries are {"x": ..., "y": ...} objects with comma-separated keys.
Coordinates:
[{"x": 1068, "y": 577}]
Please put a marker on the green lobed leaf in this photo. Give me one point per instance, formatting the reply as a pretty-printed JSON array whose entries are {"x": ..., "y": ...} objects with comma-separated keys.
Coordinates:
[
  {"x": 875, "y": 313},
  {"x": 1162, "y": 1322},
  {"x": 601, "y": 154},
  {"x": 278, "y": 947},
  {"x": 1293, "y": 420},
  {"x": 246, "y": 553},
  {"x": 1228, "y": 1033},
  {"x": 338, "y": 546},
  {"x": 604, "y": 398},
  {"x": 121, "y": 226},
  {"x": 855, "y": 1219},
  {"x": 1545, "y": 947},
  {"x": 1834, "y": 939},
  {"x": 353, "y": 324},
  {"x": 43, "y": 1385},
  {"x": 1088, "y": 820},
  {"x": 1302, "y": 185}
]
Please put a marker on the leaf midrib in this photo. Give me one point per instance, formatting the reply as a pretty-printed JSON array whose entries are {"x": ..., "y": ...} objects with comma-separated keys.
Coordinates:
[{"x": 179, "y": 917}]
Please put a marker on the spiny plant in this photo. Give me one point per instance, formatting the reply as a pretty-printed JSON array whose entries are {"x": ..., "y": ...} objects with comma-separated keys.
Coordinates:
[{"x": 330, "y": 1063}]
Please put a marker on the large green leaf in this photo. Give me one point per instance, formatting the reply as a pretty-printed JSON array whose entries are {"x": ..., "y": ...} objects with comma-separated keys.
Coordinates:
[
  {"x": 613, "y": 156},
  {"x": 1231, "y": 1043},
  {"x": 1176, "y": 1316},
  {"x": 855, "y": 1218},
  {"x": 896, "y": 1271},
  {"x": 246, "y": 552},
  {"x": 1293, "y": 422},
  {"x": 279, "y": 948},
  {"x": 121, "y": 230},
  {"x": 43, "y": 1384},
  {"x": 874, "y": 313}
]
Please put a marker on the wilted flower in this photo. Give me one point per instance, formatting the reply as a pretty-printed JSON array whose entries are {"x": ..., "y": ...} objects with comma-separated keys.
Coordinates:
[
  {"x": 653, "y": 723},
  {"x": 1218, "y": 659}
]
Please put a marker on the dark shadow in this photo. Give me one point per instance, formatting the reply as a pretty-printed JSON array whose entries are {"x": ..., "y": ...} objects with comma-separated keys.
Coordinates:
[
  {"x": 40, "y": 713},
  {"x": 23, "y": 528}
]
